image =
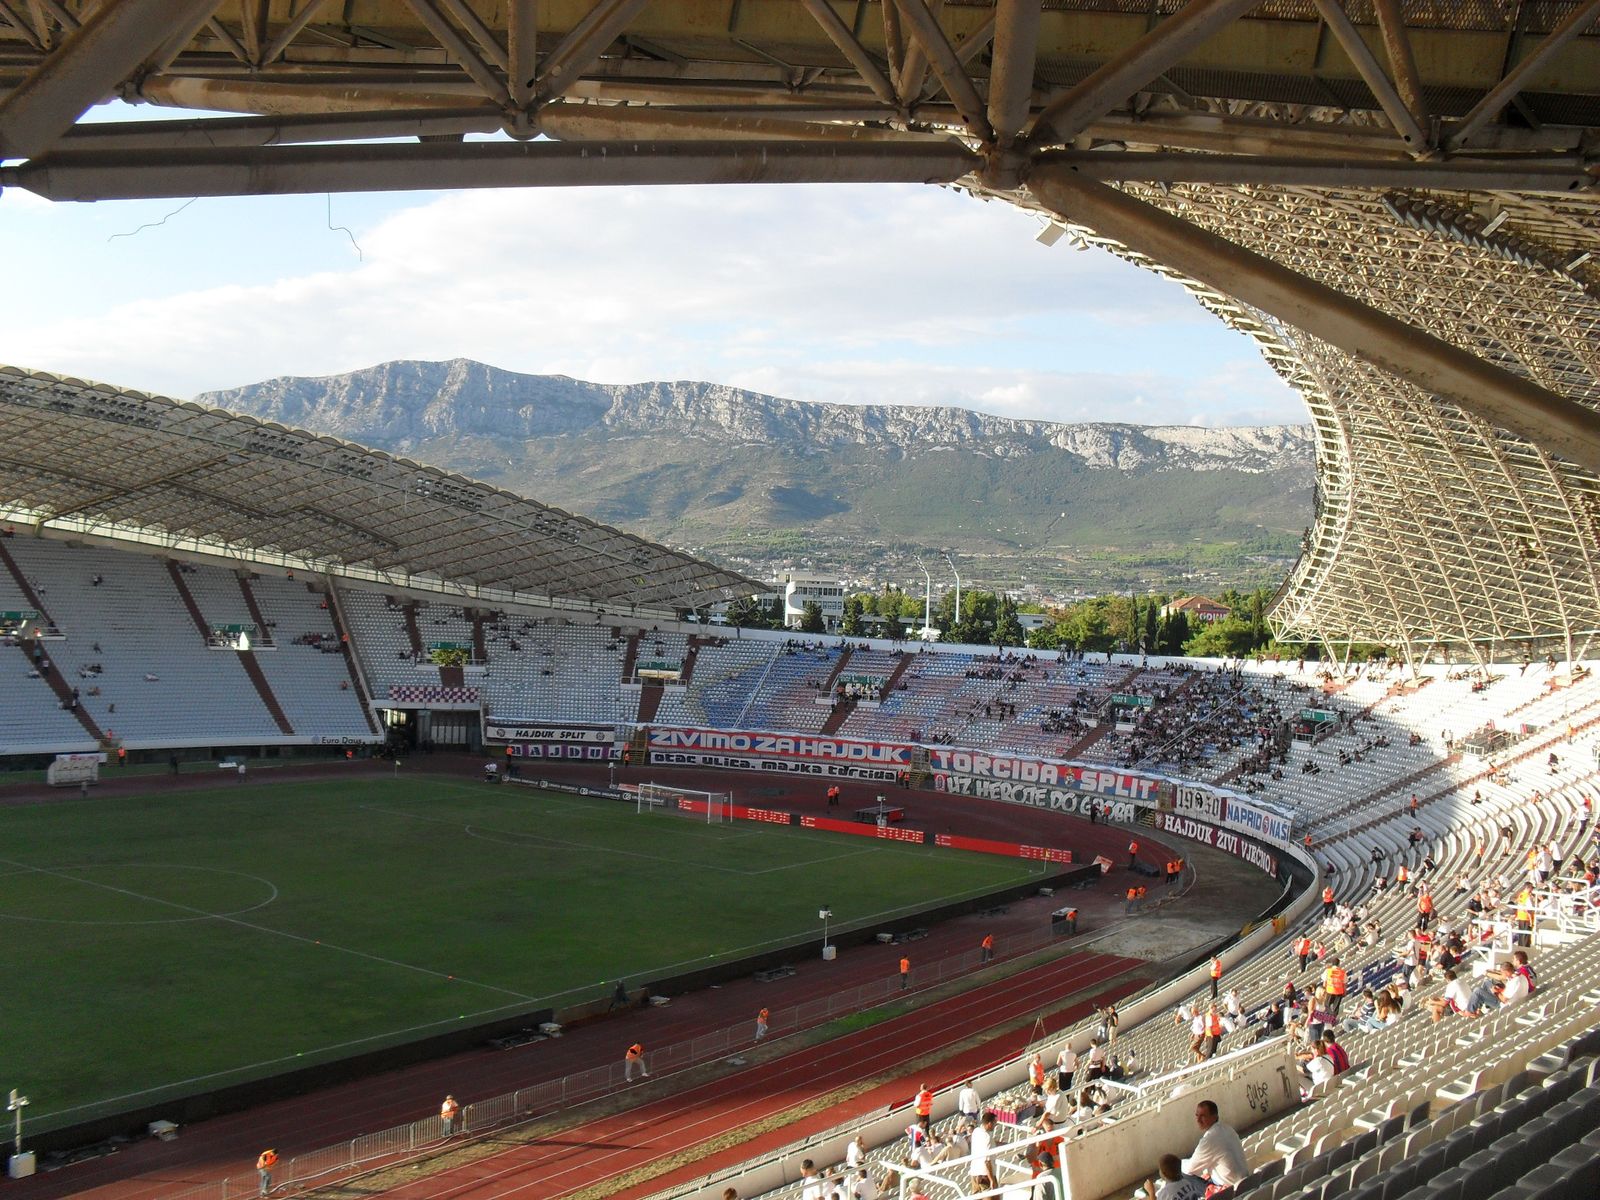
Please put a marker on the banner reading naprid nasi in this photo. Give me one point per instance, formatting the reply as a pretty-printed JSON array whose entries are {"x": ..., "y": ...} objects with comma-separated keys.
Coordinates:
[
  {"x": 783, "y": 753},
  {"x": 1233, "y": 812}
]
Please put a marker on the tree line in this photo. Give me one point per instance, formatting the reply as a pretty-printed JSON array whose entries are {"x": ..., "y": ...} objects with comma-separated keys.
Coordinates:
[{"x": 1101, "y": 624}]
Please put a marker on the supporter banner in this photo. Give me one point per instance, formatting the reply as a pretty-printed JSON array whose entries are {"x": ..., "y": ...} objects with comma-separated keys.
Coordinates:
[
  {"x": 738, "y": 812},
  {"x": 1048, "y": 773},
  {"x": 1222, "y": 808},
  {"x": 591, "y": 753},
  {"x": 409, "y": 693},
  {"x": 1201, "y": 803},
  {"x": 1035, "y": 796},
  {"x": 1258, "y": 821},
  {"x": 334, "y": 740},
  {"x": 892, "y": 833},
  {"x": 1010, "y": 849},
  {"x": 789, "y": 766},
  {"x": 1222, "y": 839},
  {"x": 782, "y": 745},
  {"x": 548, "y": 733}
]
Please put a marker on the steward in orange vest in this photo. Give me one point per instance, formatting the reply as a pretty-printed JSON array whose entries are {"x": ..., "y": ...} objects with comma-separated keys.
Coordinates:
[{"x": 1333, "y": 982}]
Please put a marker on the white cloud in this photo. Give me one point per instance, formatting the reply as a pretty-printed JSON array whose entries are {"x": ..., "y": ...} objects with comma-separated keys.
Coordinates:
[{"x": 906, "y": 295}]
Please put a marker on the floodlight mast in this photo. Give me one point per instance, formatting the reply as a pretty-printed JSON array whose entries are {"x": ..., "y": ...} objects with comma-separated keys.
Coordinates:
[
  {"x": 951, "y": 563},
  {"x": 927, "y": 598}
]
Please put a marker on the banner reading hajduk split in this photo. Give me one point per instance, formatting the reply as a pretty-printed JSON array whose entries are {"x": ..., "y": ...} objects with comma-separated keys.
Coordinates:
[{"x": 781, "y": 753}]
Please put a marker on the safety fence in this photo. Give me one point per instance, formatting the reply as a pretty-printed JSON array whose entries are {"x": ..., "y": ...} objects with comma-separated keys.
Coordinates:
[{"x": 320, "y": 1168}]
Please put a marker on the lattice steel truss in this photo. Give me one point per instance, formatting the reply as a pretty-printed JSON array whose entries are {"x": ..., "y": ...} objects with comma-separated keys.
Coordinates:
[
  {"x": 1395, "y": 197},
  {"x": 1433, "y": 527}
]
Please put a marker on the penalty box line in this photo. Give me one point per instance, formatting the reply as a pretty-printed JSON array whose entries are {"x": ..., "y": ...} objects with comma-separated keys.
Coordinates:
[{"x": 267, "y": 929}]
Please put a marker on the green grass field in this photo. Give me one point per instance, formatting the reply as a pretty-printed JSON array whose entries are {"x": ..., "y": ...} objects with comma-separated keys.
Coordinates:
[{"x": 184, "y": 942}]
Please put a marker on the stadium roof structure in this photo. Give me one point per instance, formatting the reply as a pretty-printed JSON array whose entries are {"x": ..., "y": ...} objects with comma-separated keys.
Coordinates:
[
  {"x": 90, "y": 459},
  {"x": 1396, "y": 198}
]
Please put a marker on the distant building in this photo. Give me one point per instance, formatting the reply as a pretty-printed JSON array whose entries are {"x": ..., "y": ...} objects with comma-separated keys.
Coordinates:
[
  {"x": 1032, "y": 621},
  {"x": 801, "y": 588},
  {"x": 1197, "y": 608}
]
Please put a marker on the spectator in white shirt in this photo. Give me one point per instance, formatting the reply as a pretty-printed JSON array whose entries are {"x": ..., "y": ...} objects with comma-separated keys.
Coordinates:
[
  {"x": 1457, "y": 995},
  {"x": 810, "y": 1182},
  {"x": 968, "y": 1101},
  {"x": 1066, "y": 1067},
  {"x": 982, "y": 1169},
  {"x": 1219, "y": 1154}
]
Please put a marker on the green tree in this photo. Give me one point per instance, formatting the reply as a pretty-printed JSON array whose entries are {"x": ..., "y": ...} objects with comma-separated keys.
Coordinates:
[
  {"x": 1228, "y": 638},
  {"x": 811, "y": 618},
  {"x": 1152, "y": 631},
  {"x": 893, "y": 626},
  {"x": 1007, "y": 629},
  {"x": 1175, "y": 633},
  {"x": 751, "y": 613},
  {"x": 850, "y": 623}
]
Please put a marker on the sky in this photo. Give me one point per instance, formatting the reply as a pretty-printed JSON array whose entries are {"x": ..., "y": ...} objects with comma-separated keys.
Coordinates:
[{"x": 853, "y": 294}]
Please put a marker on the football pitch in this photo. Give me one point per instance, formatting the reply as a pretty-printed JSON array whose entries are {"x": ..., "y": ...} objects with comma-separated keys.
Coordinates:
[{"x": 170, "y": 944}]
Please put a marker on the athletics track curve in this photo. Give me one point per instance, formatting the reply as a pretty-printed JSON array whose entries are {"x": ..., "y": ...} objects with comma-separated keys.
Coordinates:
[{"x": 609, "y": 1147}]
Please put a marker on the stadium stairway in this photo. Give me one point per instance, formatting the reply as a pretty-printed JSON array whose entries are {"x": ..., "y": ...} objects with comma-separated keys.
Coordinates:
[
  {"x": 60, "y": 686},
  {"x": 650, "y": 695},
  {"x": 480, "y": 647},
  {"x": 838, "y": 716},
  {"x": 413, "y": 630},
  {"x": 341, "y": 627},
  {"x": 630, "y": 662},
  {"x": 247, "y": 659},
  {"x": 27, "y": 589}
]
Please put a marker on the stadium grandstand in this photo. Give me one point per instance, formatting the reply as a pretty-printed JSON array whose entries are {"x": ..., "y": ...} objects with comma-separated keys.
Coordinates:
[
  {"x": 206, "y": 606},
  {"x": 1396, "y": 200}
]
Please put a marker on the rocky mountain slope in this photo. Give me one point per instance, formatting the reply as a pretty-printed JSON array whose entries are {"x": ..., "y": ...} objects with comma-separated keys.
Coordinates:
[{"x": 759, "y": 478}]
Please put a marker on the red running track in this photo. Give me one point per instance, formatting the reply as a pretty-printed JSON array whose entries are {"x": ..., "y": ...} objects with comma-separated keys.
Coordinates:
[{"x": 604, "y": 1149}]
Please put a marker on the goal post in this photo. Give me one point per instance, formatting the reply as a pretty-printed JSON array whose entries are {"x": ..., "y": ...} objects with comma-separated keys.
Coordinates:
[{"x": 716, "y": 807}]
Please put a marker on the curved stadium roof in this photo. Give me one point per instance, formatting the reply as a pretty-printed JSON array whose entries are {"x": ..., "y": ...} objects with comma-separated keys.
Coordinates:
[{"x": 94, "y": 459}]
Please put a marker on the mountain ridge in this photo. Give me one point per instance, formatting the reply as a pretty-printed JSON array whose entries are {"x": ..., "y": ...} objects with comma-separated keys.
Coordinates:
[
  {"x": 761, "y": 482},
  {"x": 453, "y": 398}
]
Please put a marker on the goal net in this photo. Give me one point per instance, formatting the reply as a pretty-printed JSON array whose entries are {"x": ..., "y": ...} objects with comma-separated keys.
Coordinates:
[{"x": 712, "y": 807}]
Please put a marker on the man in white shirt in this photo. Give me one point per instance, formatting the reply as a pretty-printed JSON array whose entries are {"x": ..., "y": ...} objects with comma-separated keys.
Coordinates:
[
  {"x": 1097, "y": 1060},
  {"x": 1219, "y": 1154},
  {"x": 968, "y": 1101},
  {"x": 1457, "y": 995},
  {"x": 981, "y": 1171},
  {"x": 1502, "y": 987},
  {"x": 1066, "y": 1067},
  {"x": 865, "y": 1189},
  {"x": 810, "y": 1181},
  {"x": 856, "y": 1152}
]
